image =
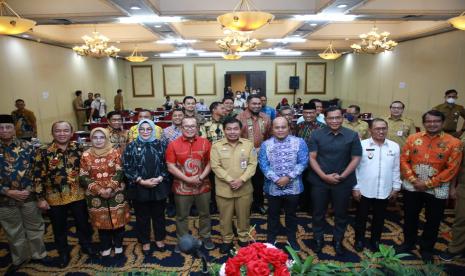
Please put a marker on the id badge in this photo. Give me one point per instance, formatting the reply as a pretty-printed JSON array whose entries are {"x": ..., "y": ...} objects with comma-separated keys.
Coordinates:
[
  {"x": 244, "y": 164},
  {"x": 400, "y": 133}
]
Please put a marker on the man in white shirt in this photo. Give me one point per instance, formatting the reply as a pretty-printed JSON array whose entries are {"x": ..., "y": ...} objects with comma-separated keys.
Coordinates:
[
  {"x": 378, "y": 180},
  {"x": 200, "y": 106},
  {"x": 98, "y": 108}
]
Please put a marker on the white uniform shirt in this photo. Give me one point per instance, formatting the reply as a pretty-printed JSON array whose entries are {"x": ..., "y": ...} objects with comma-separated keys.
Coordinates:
[
  {"x": 100, "y": 106},
  {"x": 379, "y": 170}
]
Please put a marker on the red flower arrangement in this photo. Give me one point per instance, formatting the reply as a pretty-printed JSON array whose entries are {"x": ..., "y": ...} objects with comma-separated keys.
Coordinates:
[{"x": 258, "y": 259}]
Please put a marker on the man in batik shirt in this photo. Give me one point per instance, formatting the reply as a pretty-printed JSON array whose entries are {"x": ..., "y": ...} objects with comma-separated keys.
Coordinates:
[
  {"x": 172, "y": 132},
  {"x": 25, "y": 121},
  {"x": 56, "y": 184},
  {"x": 118, "y": 135},
  {"x": 144, "y": 114}
]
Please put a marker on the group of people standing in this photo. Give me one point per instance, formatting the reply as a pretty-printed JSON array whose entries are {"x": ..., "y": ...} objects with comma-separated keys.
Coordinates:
[{"x": 231, "y": 162}]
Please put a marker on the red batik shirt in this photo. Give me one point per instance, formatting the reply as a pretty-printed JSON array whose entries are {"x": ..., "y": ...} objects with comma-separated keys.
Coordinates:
[{"x": 191, "y": 157}]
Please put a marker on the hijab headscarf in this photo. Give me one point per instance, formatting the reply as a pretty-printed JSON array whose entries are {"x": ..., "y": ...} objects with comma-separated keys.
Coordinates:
[
  {"x": 106, "y": 148},
  {"x": 152, "y": 136}
]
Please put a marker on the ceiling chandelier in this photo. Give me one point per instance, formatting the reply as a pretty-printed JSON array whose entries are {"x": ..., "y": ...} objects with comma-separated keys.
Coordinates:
[
  {"x": 244, "y": 18},
  {"x": 238, "y": 42},
  {"x": 330, "y": 53},
  {"x": 12, "y": 25},
  {"x": 374, "y": 42},
  {"x": 231, "y": 56},
  {"x": 458, "y": 22},
  {"x": 136, "y": 56},
  {"x": 96, "y": 46}
]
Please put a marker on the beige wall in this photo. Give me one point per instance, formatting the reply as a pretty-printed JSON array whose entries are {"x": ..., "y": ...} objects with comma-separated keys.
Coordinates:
[
  {"x": 221, "y": 67},
  {"x": 28, "y": 69},
  {"x": 427, "y": 66}
]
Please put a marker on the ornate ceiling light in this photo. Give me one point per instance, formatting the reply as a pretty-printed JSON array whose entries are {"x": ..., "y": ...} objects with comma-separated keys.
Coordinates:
[
  {"x": 330, "y": 53},
  {"x": 374, "y": 43},
  {"x": 136, "y": 56},
  {"x": 458, "y": 22},
  {"x": 238, "y": 42},
  {"x": 230, "y": 55},
  {"x": 12, "y": 25},
  {"x": 244, "y": 18},
  {"x": 96, "y": 46}
]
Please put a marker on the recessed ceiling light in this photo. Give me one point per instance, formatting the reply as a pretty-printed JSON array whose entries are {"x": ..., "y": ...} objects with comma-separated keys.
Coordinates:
[
  {"x": 313, "y": 24},
  {"x": 157, "y": 26},
  {"x": 26, "y": 36},
  {"x": 342, "y": 6},
  {"x": 135, "y": 8},
  {"x": 346, "y": 38}
]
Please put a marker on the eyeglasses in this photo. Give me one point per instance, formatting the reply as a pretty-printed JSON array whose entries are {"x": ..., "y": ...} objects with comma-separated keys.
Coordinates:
[
  {"x": 189, "y": 127},
  {"x": 380, "y": 129},
  {"x": 336, "y": 118},
  {"x": 432, "y": 122},
  {"x": 145, "y": 129}
]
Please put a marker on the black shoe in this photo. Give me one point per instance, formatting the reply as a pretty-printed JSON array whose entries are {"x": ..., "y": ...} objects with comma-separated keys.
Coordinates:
[
  {"x": 447, "y": 256},
  {"x": 12, "y": 269},
  {"x": 160, "y": 249},
  {"x": 243, "y": 244},
  {"x": 359, "y": 246},
  {"x": 88, "y": 249},
  {"x": 318, "y": 246},
  {"x": 374, "y": 246},
  {"x": 404, "y": 248},
  {"x": 294, "y": 245},
  {"x": 171, "y": 212},
  {"x": 225, "y": 248},
  {"x": 63, "y": 260},
  {"x": 177, "y": 249},
  {"x": 338, "y": 248},
  {"x": 208, "y": 244},
  {"x": 44, "y": 261},
  {"x": 426, "y": 256}
]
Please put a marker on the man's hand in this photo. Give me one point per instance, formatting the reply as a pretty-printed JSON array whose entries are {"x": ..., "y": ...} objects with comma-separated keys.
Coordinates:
[
  {"x": 393, "y": 195},
  {"x": 356, "y": 195},
  {"x": 419, "y": 185},
  {"x": 283, "y": 181},
  {"x": 236, "y": 184},
  {"x": 194, "y": 180},
  {"x": 331, "y": 178},
  {"x": 43, "y": 205},
  {"x": 18, "y": 195}
]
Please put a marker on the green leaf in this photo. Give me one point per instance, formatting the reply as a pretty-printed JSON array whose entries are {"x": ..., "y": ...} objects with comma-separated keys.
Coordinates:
[
  {"x": 295, "y": 256},
  {"x": 308, "y": 262}
]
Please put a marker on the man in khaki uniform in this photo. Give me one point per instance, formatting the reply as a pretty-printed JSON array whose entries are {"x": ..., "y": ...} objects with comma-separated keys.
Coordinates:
[
  {"x": 399, "y": 127},
  {"x": 452, "y": 112},
  {"x": 234, "y": 161},
  {"x": 79, "y": 110},
  {"x": 353, "y": 122},
  {"x": 119, "y": 105}
]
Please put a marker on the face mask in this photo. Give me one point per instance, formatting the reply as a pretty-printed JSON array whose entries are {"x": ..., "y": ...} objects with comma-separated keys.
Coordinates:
[
  {"x": 450, "y": 100},
  {"x": 238, "y": 96},
  {"x": 98, "y": 98},
  {"x": 350, "y": 117}
]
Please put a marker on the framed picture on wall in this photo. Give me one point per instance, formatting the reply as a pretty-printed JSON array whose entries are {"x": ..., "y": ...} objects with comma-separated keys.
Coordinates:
[
  {"x": 142, "y": 81},
  {"x": 204, "y": 79},
  {"x": 283, "y": 71},
  {"x": 173, "y": 80},
  {"x": 315, "y": 78}
]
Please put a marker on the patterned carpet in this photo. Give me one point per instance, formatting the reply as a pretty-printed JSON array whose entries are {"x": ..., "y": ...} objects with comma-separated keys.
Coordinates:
[{"x": 170, "y": 263}]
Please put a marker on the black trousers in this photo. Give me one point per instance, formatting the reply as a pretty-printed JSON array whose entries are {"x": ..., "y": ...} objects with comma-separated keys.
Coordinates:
[
  {"x": 146, "y": 212},
  {"x": 304, "y": 198},
  {"x": 339, "y": 195},
  {"x": 111, "y": 238},
  {"x": 59, "y": 219},
  {"x": 257, "y": 181},
  {"x": 377, "y": 223},
  {"x": 434, "y": 212},
  {"x": 289, "y": 203},
  {"x": 211, "y": 176}
]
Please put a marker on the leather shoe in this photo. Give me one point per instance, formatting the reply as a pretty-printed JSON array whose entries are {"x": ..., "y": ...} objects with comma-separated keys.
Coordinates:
[
  {"x": 359, "y": 245},
  {"x": 404, "y": 248},
  {"x": 63, "y": 260},
  {"x": 318, "y": 246},
  {"x": 338, "y": 248},
  {"x": 243, "y": 244},
  {"x": 426, "y": 256},
  {"x": 12, "y": 269},
  {"x": 374, "y": 246},
  {"x": 44, "y": 261},
  {"x": 89, "y": 250},
  {"x": 225, "y": 248}
]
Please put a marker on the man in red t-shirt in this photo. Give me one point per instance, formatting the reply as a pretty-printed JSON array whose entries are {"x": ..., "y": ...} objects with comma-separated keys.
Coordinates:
[{"x": 188, "y": 160}]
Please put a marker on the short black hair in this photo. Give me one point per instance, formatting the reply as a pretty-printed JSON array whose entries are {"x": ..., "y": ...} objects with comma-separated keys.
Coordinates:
[
  {"x": 97, "y": 94},
  {"x": 262, "y": 95},
  {"x": 214, "y": 105},
  {"x": 59, "y": 122},
  {"x": 119, "y": 90},
  {"x": 144, "y": 110},
  {"x": 435, "y": 113},
  {"x": 399, "y": 102},
  {"x": 227, "y": 98},
  {"x": 231, "y": 120},
  {"x": 286, "y": 107},
  {"x": 378, "y": 120},
  {"x": 19, "y": 100},
  {"x": 356, "y": 107},
  {"x": 332, "y": 109},
  {"x": 315, "y": 100},
  {"x": 187, "y": 98},
  {"x": 178, "y": 110},
  {"x": 450, "y": 91},
  {"x": 113, "y": 113},
  {"x": 253, "y": 96},
  {"x": 78, "y": 93}
]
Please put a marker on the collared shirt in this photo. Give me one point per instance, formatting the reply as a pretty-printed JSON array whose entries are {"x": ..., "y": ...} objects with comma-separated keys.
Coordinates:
[
  {"x": 452, "y": 112},
  {"x": 255, "y": 128},
  {"x": 400, "y": 129},
  {"x": 271, "y": 112},
  {"x": 200, "y": 118},
  {"x": 56, "y": 174},
  {"x": 432, "y": 159},
  {"x": 100, "y": 107},
  {"x": 239, "y": 104},
  {"x": 119, "y": 102},
  {"x": 16, "y": 163},
  {"x": 286, "y": 157},
  {"x": 359, "y": 126},
  {"x": 191, "y": 157},
  {"x": 172, "y": 132},
  {"x": 134, "y": 132},
  {"x": 119, "y": 138},
  {"x": 305, "y": 129},
  {"x": 230, "y": 162},
  {"x": 77, "y": 104},
  {"x": 212, "y": 130},
  {"x": 378, "y": 172},
  {"x": 201, "y": 107},
  {"x": 335, "y": 151},
  {"x": 25, "y": 123},
  {"x": 320, "y": 118}
]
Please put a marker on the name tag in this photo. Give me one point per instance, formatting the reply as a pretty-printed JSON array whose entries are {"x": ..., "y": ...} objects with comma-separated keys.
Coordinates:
[
  {"x": 370, "y": 149},
  {"x": 244, "y": 164},
  {"x": 400, "y": 133}
]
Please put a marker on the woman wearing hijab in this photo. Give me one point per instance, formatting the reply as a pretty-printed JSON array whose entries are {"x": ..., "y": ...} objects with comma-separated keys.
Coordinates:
[
  {"x": 101, "y": 173},
  {"x": 149, "y": 184},
  {"x": 283, "y": 103}
]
